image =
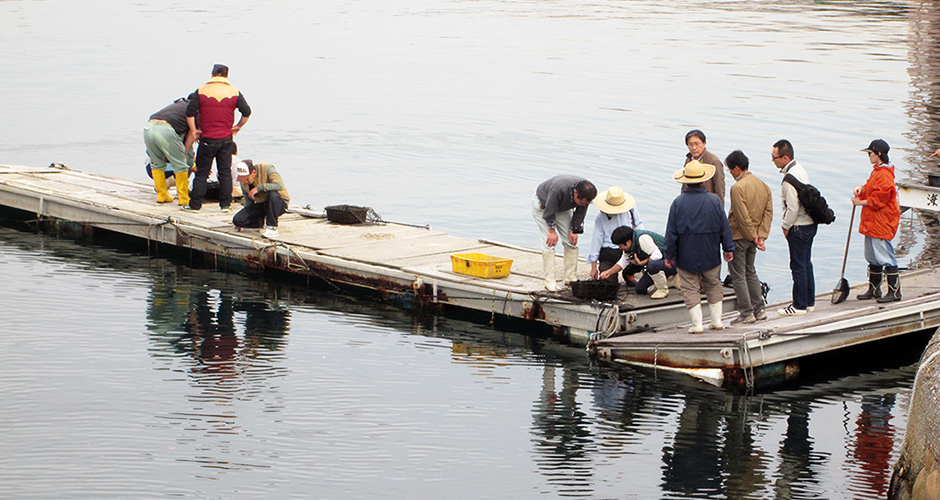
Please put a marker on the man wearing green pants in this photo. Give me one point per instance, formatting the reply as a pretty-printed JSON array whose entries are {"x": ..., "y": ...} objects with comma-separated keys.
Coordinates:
[{"x": 169, "y": 141}]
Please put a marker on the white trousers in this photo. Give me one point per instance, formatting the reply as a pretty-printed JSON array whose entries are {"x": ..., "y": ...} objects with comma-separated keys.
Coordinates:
[{"x": 562, "y": 224}]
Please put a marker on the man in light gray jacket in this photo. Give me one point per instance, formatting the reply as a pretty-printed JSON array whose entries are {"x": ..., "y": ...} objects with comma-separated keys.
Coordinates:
[{"x": 799, "y": 229}]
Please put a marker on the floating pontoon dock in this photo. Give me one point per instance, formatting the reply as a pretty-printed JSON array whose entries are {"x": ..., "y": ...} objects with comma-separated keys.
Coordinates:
[
  {"x": 414, "y": 264},
  {"x": 404, "y": 261},
  {"x": 770, "y": 351}
]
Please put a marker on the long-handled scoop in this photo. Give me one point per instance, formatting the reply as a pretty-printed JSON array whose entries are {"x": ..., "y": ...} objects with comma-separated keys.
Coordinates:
[{"x": 841, "y": 291}]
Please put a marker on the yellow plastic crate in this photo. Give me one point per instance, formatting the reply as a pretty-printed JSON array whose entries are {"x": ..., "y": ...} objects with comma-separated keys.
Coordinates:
[{"x": 480, "y": 265}]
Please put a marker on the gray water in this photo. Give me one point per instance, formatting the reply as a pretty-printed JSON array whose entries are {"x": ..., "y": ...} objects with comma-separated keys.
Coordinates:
[
  {"x": 131, "y": 376},
  {"x": 446, "y": 113}
]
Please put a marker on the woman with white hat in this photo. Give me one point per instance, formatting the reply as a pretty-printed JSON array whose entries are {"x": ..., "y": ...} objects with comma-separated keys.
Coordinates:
[{"x": 617, "y": 208}]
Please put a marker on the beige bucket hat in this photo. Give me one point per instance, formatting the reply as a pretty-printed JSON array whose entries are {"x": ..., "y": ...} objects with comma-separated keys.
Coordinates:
[
  {"x": 614, "y": 201},
  {"x": 694, "y": 172}
]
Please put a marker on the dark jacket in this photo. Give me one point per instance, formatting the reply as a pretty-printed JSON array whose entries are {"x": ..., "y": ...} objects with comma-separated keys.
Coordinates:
[
  {"x": 215, "y": 104},
  {"x": 175, "y": 115},
  {"x": 696, "y": 231}
]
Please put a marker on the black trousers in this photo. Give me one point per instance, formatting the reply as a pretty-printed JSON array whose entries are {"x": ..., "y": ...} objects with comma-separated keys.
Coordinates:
[
  {"x": 608, "y": 257},
  {"x": 260, "y": 214},
  {"x": 220, "y": 150}
]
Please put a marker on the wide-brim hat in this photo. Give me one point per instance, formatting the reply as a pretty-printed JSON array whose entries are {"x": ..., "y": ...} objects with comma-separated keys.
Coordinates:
[
  {"x": 694, "y": 172},
  {"x": 614, "y": 201}
]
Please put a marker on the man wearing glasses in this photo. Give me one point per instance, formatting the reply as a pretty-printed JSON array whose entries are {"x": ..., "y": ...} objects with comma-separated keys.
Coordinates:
[{"x": 799, "y": 229}]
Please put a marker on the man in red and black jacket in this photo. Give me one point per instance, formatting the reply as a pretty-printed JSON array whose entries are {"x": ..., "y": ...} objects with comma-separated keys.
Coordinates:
[{"x": 214, "y": 105}]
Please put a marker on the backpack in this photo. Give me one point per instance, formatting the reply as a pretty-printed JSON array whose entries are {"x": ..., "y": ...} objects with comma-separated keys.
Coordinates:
[{"x": 813, "y": 202}]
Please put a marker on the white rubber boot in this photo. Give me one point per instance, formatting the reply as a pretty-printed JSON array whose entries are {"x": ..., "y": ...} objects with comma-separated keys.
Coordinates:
[
  {"x": 571, "y": 265},
  {"x": 548, "y": 269},
  {"x": 662, "y": 288},
  {"x": 674, "y": 281},
  {"x": 696, "y": 313},
  {"x": 715, "y": 310}
]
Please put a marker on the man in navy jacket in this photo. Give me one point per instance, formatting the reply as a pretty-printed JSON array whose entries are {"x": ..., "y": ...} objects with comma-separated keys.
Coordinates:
[{"x": 696, "y": 232}]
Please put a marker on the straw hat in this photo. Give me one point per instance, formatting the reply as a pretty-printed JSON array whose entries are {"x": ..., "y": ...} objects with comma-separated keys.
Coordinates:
[
  {"x": 614, "y": 201},
  {"x": 694, "y": 172}
]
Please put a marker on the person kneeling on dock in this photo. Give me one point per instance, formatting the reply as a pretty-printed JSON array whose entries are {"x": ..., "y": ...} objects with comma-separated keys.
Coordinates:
[
  {"x": 265, "y": 197},
  {"x": 696, "y": 232},
  {"x": 644, "y": 250},
  {"x": 561, "y": 201}
]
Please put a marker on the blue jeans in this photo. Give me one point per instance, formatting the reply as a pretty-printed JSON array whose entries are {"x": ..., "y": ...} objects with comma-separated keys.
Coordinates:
[{"x": 800, "y": 242}]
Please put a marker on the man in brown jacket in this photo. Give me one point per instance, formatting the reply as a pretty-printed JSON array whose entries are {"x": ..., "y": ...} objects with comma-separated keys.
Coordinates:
[
  {"x": 750, "y": 217},
  {"x": 695, "y": 141},
  {"x": 265, "y": 197}
]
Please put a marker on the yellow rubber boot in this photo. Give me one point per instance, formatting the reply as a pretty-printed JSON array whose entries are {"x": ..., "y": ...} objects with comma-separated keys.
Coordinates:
[
  {"x": 182, "y": 187},
  {"x": 159, "y": 182}
]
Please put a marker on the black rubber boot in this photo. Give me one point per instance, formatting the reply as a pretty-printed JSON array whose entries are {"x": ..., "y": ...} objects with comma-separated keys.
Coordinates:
[
  {"x": 874, "y": 284},
  {"x": 894, "y": 285}
]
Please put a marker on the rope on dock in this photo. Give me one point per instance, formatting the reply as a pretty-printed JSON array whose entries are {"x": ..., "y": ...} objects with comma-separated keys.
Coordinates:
[
  {"x": 747, "y": 363},
  {"x": 493, "y": 313},
  {"x": 607, "y": 324}
]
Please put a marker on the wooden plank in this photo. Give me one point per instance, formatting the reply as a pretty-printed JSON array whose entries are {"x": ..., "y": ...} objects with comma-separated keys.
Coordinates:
[
  {"x": 385, "y": 252},
  {"x": 323, "y": 235}
]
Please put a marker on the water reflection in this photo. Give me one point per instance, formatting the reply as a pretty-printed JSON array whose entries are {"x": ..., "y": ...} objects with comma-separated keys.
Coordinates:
[
  {"x": 923, "y": 108},
  {"x": 249, "y": 377},
  {"x": 691, "y": 461},
  {"x": 796, "y": 474},
  {"x": 563, "y": 444},
  {"x": 199, "y": 322},
  {"x": 584, "y": 419},
  {"x": 874, "y": 442}
]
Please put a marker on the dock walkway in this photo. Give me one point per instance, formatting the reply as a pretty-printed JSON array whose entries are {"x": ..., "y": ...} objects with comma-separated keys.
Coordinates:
[
  {"x": 413, "y": 264},
  {"x": 770, "y": 351},
  {"x": 403, "y": 260}
]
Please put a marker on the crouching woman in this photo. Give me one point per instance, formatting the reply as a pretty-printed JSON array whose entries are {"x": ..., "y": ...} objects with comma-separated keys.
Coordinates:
[{"x": 643, "y": 249}]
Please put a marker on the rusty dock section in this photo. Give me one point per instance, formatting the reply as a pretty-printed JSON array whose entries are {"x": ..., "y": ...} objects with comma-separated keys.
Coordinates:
[
  {"x": 412, "y": 266},
  {"x": 772, "y": 351},
  {"x": 409, "y": 264}
]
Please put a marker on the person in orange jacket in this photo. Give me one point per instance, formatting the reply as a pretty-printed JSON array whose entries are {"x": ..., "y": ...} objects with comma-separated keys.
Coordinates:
[{"x": 881, "y": 216}]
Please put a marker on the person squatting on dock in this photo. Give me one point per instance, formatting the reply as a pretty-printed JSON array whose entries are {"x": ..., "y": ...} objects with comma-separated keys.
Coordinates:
[
  {"x": 561, "y": 202},
  {"x": 752, "y": 212},
  {"x": 617, "y": 208},
  {"x": 799, "y": 229},
  {"x": 214, "y": 105},
  {"x": 696, "y": 232},
  {"x": 169, "y": 142},
  {"x": 879, "y": 222},
  {"x": 643, "y": 250},
  {"x": 265, "y": 197},
  {"x": 695, "y": 141}
]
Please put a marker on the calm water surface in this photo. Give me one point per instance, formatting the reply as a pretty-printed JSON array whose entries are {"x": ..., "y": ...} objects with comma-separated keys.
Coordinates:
[
  {"x": 132, "y": 376},
  {"x": 128, "y": 376}
]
